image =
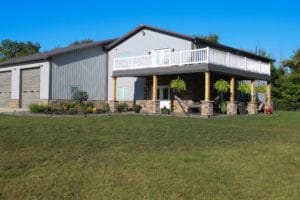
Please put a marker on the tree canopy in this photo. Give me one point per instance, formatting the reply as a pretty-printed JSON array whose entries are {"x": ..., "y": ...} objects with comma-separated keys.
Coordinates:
[
  {"x": 212, "y": 37},
  {"x": 78, "y": 42},
  {"x": 10, "y": 49}
]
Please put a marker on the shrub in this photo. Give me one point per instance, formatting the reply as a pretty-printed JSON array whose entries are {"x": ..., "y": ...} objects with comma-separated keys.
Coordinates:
[
  {"x": 223, "y": 107},
  {"x": 80, "y": 96},
  {"x": 137, "y": 108},
  {"x": 36, "y": 108},
  {"x": 105, "y": 108},
  {"x": 122, "y": 107}
]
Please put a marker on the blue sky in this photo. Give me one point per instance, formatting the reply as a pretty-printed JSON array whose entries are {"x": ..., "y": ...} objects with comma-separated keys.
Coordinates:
[{"x": 271, "y": 25}]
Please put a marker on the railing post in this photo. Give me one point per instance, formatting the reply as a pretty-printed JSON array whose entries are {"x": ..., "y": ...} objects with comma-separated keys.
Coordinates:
[
  {"x": 245, "y": 63},
  {"x": 228, "y": 59},
  {"x": 180, "y": 57},
  {"x": 259, "y": 66},
  {"x": 208, "y": 55}
]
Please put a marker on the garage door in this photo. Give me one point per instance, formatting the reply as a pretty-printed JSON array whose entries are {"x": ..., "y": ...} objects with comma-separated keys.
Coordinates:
[
  {"x": 30, "y": 87},
  {"x": 5, "y": 89}
]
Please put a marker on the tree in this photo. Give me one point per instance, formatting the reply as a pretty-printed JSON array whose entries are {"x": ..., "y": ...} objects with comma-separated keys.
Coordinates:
[
  {"x": 294, "y": 63},
  {"x": 13, "y": 49},
  {"x": 85, "y": 41},
  {"x": 212, "y": 37}
]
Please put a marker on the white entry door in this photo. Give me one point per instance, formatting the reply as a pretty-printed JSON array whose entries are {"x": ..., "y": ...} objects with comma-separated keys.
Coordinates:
[
  {"x": 161, "y": 57},
  {"x": 163, "y": 92}
]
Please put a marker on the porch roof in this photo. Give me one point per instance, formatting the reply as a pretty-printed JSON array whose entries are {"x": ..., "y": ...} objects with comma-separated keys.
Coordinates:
[{"x": 194, "y": 68}]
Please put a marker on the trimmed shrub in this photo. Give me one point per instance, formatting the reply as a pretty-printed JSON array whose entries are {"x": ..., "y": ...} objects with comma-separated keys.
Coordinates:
[
  {"x": 36, "y": 108},
  {"x": 122, "y": 107},
  {"x": 137, "y": 108}
]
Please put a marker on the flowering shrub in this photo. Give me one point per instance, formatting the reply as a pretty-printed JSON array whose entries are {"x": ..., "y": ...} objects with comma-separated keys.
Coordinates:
[{"x": 269, "y": 110}]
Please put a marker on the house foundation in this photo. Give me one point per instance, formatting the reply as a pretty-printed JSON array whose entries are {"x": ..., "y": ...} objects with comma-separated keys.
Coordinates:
[
  {"x": 231, "y": 108},
  {"x": 207, "y": 108},
  {"x": 252, "y": 108},
  {"x": 14, "y": 103}
]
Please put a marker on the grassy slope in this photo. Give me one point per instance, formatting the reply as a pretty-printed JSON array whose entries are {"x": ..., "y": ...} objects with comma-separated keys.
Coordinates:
[{"x": 150, "y": 157}]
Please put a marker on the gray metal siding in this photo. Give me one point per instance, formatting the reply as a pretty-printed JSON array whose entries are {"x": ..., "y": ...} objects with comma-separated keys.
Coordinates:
[
  {"x": 140, "y": 44},
  {"x": 85, "y": 68}
]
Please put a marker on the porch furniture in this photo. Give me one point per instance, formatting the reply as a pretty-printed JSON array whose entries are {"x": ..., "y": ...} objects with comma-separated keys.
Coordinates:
[
  {"x": 260, "y": 107},
  {"x": 242, "y": 108},
  {"x": 191, "y": 107},
  {"x": 165, "y": 104}
]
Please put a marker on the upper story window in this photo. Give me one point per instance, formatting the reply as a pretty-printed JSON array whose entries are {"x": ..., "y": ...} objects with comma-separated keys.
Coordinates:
[{"x": 162, "y": 56}]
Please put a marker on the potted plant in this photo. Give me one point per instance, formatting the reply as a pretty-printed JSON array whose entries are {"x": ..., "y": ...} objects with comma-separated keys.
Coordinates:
[
  {"x": 222, "y": 86},
  {"x": 165, "y": 110}
]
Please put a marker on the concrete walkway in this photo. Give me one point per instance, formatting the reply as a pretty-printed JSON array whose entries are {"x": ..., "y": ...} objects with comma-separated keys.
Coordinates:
[{"x": 10, "y": 110}]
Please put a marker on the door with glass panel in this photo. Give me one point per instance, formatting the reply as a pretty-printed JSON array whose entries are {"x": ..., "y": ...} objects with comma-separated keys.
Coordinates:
[
  {"x": 161, "y": 57},
  {"x": 163, "y": 92}
]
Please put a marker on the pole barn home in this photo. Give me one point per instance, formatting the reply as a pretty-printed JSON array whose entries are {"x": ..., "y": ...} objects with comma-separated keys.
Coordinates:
[{"x": 137, "y": 69}]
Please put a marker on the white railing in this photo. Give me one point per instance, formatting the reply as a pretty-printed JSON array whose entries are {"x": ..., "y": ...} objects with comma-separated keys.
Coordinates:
[{"x": 196, "y": 56}]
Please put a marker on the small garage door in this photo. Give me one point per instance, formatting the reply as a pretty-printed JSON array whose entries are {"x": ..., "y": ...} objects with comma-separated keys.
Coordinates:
[
  {"x": 5, "y": 89},
  {"x": 30, "y": 87}
]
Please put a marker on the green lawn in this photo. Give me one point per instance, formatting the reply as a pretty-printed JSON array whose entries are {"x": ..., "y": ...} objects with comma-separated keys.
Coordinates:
[{"x": 150, "y": 157}]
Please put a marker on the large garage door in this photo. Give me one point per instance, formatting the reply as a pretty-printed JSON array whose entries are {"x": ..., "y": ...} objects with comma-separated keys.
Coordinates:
[
  {"x": 30, "y": 87},
  {"x": 5, "y": 89}
]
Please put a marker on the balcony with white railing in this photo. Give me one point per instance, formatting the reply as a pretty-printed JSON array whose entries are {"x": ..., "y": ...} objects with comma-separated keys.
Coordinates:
[{"x": 196, "y": 56}]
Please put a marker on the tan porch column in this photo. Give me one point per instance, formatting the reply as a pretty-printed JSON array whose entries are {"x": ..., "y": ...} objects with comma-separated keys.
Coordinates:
[
  {"x": 269, "y": 93},
  {"x": 232, "y": 84},
  {"x": 114, "y": 88},
  {"x": 154, "y": 88},
  {"x": 252, "y": 106},
  {"x": 252, "y": 91},
  {"x": 207, "y": 86},
  {"x": 207, "y": 104}
]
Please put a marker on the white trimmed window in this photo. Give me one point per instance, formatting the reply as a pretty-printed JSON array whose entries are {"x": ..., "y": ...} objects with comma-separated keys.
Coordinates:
[{"x": 122, "y": 92}]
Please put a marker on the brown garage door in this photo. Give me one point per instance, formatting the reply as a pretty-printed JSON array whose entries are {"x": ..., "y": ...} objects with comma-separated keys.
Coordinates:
[
  {"x": 5, "y": 89},
  {"x": 30, "y": 87}
]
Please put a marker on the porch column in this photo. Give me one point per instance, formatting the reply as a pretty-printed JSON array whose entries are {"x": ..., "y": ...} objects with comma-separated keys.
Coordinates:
[
  {"x": 114, "y": 88},
  {"x": 232, "y": 104},
  {"x": 154, "y": 88},
  {"x": 207, "y": 86},
  {"x": 252, "y": 91},
  {"x": 232, "y": 84},
  {"x": 252, "y": 106},
  {"x": 268, "y": 103},
  {"x": 207, "y": 104}
]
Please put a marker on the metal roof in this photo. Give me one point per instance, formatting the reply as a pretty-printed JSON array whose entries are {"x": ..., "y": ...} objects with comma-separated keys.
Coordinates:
[
  {"x": 48, "y": 54},
  {"x": 194, "y": 39}
]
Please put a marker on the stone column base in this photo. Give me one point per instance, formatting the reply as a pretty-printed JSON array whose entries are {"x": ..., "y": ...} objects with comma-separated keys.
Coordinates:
[
  {"x": 252, "y": 108},
  {"x": 113, "y": 105},
  {"x": 231, "y": 108},
  {"x": 207, "y": 108},
  {"x": 14, "y": 103},
  {"x": 268, "y": 105},
  {"x": 149, "y": 106}
]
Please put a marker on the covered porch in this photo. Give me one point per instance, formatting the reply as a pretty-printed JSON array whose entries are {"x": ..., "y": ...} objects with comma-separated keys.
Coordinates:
[{"x": 200, "y": 91}]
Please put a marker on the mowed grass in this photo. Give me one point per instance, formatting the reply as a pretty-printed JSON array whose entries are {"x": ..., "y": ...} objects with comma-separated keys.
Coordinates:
[{"x": 150, "y": 157}]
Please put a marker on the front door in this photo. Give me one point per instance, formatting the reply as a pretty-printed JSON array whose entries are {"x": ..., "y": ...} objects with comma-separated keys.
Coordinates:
[{"x": 163, "y": 92}]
